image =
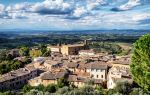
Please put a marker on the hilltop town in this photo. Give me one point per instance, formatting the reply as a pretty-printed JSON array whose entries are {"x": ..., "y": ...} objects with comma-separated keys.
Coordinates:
[
  {"x": 75, "y": 63},
  {"x": 74, "y": 47}
]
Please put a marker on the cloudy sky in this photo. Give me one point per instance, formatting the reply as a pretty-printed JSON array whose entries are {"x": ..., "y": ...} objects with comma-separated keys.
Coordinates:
[{"x": 74, "y": 14}]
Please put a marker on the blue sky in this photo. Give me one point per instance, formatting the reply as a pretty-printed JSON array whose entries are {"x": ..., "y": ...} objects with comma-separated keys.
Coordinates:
[{"x": 74, "y": 14}]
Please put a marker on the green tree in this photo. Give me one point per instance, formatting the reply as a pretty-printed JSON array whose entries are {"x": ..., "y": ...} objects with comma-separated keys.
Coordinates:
[
  {"x": 9, "y": 57},
  {"x": 27, "y": 60},
  {"x": 3, "y": 55},
  {"x": 27, "y": 88},
  {"x": 111, "y": 92},
  {"x": 4, "y": 67},
  {"x": 51, "y": 88},
  {"x": 43, "y": 48},
  {"x": 139, "y": 91},
  {"x": 87, "y": 90},
  {"x": 33, "y": 92},
  {"x": 99, "y": 90},
  {"x": 35, "y": 53},
  {"x": 16, "y": 65},
  {"x": 46, "y": 54},
  {"x": 24, "y": 51},
  {"x": 6, "y": 93},
  {"x": 75, "y": 92},
  {"x": 62, "y": 82},
  {"x": 123, "y": 87},
  {"x": 140, "y": 67},
  {"x": 62, "y": 90},
  {"x": 40, "y": 87}
]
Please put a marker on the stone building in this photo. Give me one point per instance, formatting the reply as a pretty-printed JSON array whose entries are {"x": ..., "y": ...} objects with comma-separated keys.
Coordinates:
[
  {"x": 18, "y": 78},
  {"x": 95, "y": 70},
  {"x": 48, "y": 78},
  {"x": 76, "y": 80},
  {"x": 54, "y": 49},
  {"x": 52, "y": 64},
  {"x": 72, "y": 49},
  {"x": 86, "y": 53},
  {"x": 98, "y": 70},
  {"x": 80, "y": 81},
  {"x": 119, "y": 72}
]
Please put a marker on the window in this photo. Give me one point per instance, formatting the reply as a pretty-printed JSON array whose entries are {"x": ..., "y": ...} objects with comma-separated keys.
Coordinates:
[
  {"x": 17, "y": 83},
  {"x": 13, "y": 80},
  {"x": 101, "y": 76},
  {"x": 97, "y": 76},
  {"x": 97, "y": 70}
]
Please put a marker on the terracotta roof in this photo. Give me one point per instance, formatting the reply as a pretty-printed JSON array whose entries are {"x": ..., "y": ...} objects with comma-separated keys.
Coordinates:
[
  {"x": 88, "y": 51},
  {"x": 31, "y": 68},
  {"x": 91, "y": 65},
  {"x": 82, "y": 66},
  {"x": 72, "y": 65},
  {"x": 75, "y": 78},
  {"x": 52, "y": 76},
  {"x": 50, "y": 46},
  {"x": 48, "y": 76},
  {"x": 74, "y": 45},
  {"x": 52, "y": 62},
  {"x": 97, "y": 65},
  {"x": 72, "y": 78},
  {"x": 17, "y": 73},
  {"x": 61, "y": 74},
  {"x": 123, "y": 62}
]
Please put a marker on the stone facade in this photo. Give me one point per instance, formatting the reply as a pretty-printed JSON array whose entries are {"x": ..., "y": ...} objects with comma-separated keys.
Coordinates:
[
  {"x": 72, "y": 49},
  {"x": 54, "y": 49},
  {"x": 18, "y": 78}
]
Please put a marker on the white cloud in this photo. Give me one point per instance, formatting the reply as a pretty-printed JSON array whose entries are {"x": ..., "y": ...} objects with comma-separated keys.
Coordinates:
[
  {"x": 92, "y": 4},
  {"x": 22, "y": 10},
  {"x": 51, "y": 7},
  {"x": 2, "y": 10},
  {"x": 3, "y": 13},
  {"x": 130, "y": 4},
  {"x": 79, "y": 11},
  {"x": 86, "y": 7},
  {"x": 17, "y": 11},
  {"x": 18, "y": 7},
  {"x": 22, "y": 6},
  {"x": 83, "y": 14},
  {"x": 2, "y": 7},
  {"x": 18, "y": 15},
  {"x": 142, "y": 16}
]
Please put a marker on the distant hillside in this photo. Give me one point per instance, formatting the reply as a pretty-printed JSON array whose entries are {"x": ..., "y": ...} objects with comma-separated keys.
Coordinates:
[{"x": 47, "y": 32}]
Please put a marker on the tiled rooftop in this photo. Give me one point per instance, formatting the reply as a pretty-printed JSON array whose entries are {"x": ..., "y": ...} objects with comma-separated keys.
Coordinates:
[
  {"x": 16, "y": 73},
  {"x": 52, "y": 76}
]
